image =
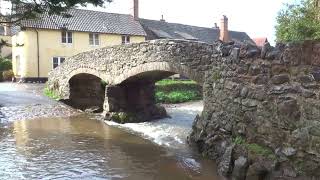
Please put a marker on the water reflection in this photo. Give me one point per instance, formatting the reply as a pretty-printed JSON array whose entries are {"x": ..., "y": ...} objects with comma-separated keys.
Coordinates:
[{"x": 83, "y": 148}]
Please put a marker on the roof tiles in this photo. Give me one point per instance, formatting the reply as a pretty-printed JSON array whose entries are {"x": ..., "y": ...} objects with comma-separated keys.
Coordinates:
[{"x": 89, "y": 21}]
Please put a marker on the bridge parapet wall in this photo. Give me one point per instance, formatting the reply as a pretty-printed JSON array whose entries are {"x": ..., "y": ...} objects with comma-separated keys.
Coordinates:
[{"x": 262, "y": 116}]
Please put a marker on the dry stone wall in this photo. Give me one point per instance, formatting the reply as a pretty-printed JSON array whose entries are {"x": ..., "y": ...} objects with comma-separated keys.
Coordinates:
[{"x": 262, "y": 115}]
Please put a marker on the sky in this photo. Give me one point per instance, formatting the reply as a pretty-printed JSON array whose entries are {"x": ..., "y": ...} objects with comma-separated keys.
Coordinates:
[{"x": 256, "y": 17}]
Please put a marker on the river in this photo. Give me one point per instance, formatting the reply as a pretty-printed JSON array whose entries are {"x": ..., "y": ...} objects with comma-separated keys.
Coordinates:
[{"x": 62, "y": 143}]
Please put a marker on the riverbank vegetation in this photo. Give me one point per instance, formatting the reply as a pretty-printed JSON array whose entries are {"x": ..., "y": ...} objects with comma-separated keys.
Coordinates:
[
  {"x": 177, "y": 91},
  {"x": 254, "y": 148},
  {"x": 6, "y": 72},
  {"x": 167, "y": 91},
  {"x": 47, "y": 92}
]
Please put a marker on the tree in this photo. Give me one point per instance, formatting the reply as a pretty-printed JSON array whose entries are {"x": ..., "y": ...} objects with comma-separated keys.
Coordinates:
[
  {"x": 29, "y": 9},
  {"x": 5, "y": 64},
  {"x": 299, "y": 21}
]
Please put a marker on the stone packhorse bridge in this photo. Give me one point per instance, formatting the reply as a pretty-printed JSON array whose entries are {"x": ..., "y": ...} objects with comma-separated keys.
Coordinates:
[
  {"x": 261, "y": 115},
  {"x": 130, "y": 72}
]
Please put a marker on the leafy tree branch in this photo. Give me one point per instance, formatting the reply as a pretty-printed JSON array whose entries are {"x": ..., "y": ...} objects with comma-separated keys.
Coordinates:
[
  {"x": 299, "y": 21},
  {"x": 29, "y": 9}
]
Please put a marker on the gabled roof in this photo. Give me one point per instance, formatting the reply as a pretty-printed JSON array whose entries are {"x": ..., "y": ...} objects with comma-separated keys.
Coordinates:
[
  {"x": 112, "y": 23},
  {"x": 260, "y": 41},
  {"x": 161, "y": 29},
  {"x": 89, "y": 21}
]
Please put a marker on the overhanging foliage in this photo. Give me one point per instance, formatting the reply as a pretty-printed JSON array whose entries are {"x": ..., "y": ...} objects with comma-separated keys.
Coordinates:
[
  {"x": 29, "y": 9},
  {"x": 299, "y": 21}
]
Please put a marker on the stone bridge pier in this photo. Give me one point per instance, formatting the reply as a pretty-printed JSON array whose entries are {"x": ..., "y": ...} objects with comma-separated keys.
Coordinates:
[{"x": 132, "y": 102}]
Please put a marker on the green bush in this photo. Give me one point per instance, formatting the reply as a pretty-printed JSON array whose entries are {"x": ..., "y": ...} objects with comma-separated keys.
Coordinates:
[
  {"x": 298, "y": 21},
  {"x": 7, "y": 75},
  {"x": 47, "y": 92},
  {"x": 177, "y": 91},
  {"x": 5, "y": 64}
]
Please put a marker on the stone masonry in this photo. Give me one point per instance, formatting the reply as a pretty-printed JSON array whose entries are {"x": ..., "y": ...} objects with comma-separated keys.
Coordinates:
[
  {"x": 261, "y": 117},
  {"x": 130, "y": 72}
]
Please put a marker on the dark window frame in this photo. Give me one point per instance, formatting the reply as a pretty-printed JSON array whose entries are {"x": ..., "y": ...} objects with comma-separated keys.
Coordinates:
[
  {"x": 66, "y": 37},
  {"x": 57, "y": 61},
  {"x": 125, "y": 39},
  {"x": 94, "y": 39}
]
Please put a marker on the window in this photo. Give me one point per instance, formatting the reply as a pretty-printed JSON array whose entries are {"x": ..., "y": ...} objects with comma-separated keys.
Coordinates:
[
  {"x": 125, "y": 39},
  {"x": 66, "y": 37},
  {"x": 56, "y": 61},
  {"x": 94, "y": 39}
]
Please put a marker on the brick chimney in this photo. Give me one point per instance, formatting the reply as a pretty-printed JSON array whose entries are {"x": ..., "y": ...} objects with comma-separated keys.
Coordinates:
[
  {"x": 135, "y": 9},
  {"x": 224, "y": 31}
]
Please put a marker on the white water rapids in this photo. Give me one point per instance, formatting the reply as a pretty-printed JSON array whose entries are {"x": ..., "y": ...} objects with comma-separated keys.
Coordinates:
[{"x": 171, "y": 132}]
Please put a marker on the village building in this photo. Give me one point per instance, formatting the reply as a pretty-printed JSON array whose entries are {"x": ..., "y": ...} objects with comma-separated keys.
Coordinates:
[
  {"x": 260, "y": 41},
  {"x": 42, "y": 44}
]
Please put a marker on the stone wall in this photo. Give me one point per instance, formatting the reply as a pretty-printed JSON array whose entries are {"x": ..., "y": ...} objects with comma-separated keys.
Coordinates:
[{"x": 262, "y": 114}]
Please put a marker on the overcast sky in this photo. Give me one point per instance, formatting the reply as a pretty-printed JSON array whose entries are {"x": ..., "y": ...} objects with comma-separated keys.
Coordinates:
[{"x": 256, "y": 17}]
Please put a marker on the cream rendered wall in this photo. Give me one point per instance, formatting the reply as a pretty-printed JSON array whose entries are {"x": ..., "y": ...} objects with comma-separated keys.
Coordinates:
[
  {"x": 6, "y": 50},
  {"x": 50, "y": 46},
  {"x": 18, "y": 49}
]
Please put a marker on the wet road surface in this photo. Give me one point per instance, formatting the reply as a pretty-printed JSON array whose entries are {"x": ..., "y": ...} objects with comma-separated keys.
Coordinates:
[
  {"x": 26, "y": 101},
  {"x": 15, "y": 94}
]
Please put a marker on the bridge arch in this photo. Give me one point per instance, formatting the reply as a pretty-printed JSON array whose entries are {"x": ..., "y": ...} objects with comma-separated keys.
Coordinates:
[
  {"x": 86, "y": 91},
  {"x": 90, "y": 71},
  {"x": 156, "y": 71}
]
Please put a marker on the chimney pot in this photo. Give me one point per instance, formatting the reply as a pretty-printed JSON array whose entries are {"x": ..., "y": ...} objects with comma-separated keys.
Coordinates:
[
  {"x": 162, "y": 19},
  {"x": 224, "y": 31},
  {"x": 216, "y": 25},
  {"x": 135, "y": 9}
]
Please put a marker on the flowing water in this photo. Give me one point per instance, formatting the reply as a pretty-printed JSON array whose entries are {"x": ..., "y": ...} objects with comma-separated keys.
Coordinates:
[{"x": 82, "y": 146}]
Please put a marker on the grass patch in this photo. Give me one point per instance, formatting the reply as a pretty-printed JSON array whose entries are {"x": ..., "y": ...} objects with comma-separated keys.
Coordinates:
[
  {"x": 260, "y": 150},
  {"x": 177, "y": 91},
  {"x": 254, "y": 148},
  {"x": 238, "y": 140},
  {"x": 47, "y": 92}
]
